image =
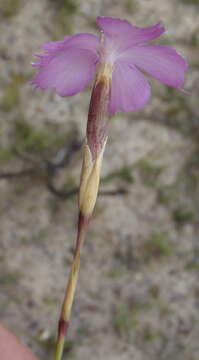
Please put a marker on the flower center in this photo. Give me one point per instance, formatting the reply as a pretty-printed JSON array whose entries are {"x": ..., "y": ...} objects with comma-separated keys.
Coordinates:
[{"x": 108, "y": 51}]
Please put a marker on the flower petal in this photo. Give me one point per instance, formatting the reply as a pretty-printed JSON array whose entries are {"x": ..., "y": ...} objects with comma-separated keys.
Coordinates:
[
  {"x": 160, "y": 61},
  {"x": 130, "y": 90},
  {"x": 68, "y": 71},
  {"x": 69, "y": 65},
  {"x": 83, "y": 41},
  {"x": 125, "y": 34}
]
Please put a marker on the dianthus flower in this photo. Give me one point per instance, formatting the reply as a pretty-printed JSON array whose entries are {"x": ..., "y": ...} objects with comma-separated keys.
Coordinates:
[
  {"x": 118, "y": 57},
  {"x": 69, "y": 65}
]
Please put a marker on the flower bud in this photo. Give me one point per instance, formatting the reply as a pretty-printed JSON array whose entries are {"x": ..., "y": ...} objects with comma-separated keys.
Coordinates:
[
  {"x": 89, "y": 184},
  {"x": 97, "y": 125},
  {"x": 96, "y": 137}
]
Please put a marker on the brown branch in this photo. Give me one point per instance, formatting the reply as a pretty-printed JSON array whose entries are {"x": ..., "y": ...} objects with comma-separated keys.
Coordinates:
[
  {"x": 21, "y": 173},
  {"x": 60, "y": 160}
]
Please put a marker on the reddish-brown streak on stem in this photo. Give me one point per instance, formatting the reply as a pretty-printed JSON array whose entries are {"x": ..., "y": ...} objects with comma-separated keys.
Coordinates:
[
  {"x": 98, "y": 117},
  {"x": 62, "y": 328},
  {"x": 82, "y": 224}
]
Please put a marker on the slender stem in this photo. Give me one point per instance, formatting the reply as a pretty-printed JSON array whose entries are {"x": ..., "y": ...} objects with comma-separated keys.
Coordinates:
[
  {"x": 96, "y": 137},
  {"x": 71, "y": 287},
  {"x": 59, "y": 348}
]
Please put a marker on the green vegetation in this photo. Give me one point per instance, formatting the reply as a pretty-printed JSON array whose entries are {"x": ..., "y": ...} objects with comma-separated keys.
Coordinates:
[
  {"x": 69, "y": 6},
  {"x": 6, "y": 155},
  {"x": 65, "y": 9},
  {"x": 125, "y": 317},
  {"x": 190, "y": 176},
  {"x": 193, "y": 265},
  {"x": 118, "y": 272},
  {"x": 178, "y": 113},
  {"x": 156, "y": 247},
  {"x": 183, "y": 215},
  {"x": 11, "y": 94},
  {"x": 28, "y": 139},
  {"x": 9, "y": 277},
  {"x": 191, "y": 2},
  {"x": 167, "y": 194},
  {"x": 165, "y": 311},
  {"x": 154, "y": 291},
  {"x": 194, "y": 41},
  {"x": 131, "y": 6},
  {"x": 181, "y": 197},
  {"x": 177, "y": 102},
  {"x": 149, "y": 335},
  {"x": 123, "y": 320},
  {"x": 69, "y": 184},
  {"x": 124, "y": 173},
  {"x": 9, "y": 8},
  {"x": 149, "y": 172},
  {"x": 24, "y": 240},
  {"x": 49, "y": 301}
]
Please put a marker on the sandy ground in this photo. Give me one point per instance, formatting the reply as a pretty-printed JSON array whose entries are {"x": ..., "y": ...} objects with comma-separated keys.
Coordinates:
[{"x": 137, "y": 295}]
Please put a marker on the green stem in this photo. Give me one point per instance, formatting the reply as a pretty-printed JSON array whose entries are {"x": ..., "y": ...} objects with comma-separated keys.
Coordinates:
[{"x": 70, "y": 290}]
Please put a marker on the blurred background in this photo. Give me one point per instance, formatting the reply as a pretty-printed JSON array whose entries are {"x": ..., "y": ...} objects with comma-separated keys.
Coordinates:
[{"x": 138, "y": 293}]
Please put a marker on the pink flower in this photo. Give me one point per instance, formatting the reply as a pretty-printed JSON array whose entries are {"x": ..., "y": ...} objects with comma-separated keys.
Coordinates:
[{"x": 68, "y": 66}]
